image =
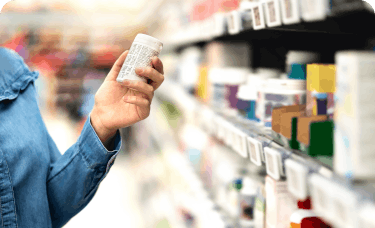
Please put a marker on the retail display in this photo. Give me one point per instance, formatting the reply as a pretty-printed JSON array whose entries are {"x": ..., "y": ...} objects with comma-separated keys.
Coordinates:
[
  {"x": 260, "y": 111},
  {"x": 321, "y": 86},
  {"x": 276, "y": 93},
  {"x": 304, "y": 217},
  {"x": 280, "y": 204},
  {"x": 354, "y": 115},
  {"x": 143, "y": 48}
]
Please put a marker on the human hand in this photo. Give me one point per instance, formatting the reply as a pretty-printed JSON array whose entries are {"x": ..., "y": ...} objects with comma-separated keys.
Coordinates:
[{"x": 119, "y": 105}]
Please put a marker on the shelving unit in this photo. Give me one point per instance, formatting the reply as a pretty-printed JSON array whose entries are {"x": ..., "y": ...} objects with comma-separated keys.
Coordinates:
[{"x": 306, "y": 176}]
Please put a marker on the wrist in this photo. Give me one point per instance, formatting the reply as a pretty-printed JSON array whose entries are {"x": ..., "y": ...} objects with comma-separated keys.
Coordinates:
[{"x": 102, "y": 131}]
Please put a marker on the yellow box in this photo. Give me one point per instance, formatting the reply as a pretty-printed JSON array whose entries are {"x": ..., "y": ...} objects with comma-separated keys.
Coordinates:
[{"x": 321, "y": 78}]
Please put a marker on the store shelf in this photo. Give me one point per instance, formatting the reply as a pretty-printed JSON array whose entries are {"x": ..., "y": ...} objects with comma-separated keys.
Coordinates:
[
  {"x": 341, "y": 19},
  {"x": 306, "y": 176}
]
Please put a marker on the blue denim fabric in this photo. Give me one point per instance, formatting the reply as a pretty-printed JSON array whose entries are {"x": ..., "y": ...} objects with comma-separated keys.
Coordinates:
[{"x": 39, "y": 187}]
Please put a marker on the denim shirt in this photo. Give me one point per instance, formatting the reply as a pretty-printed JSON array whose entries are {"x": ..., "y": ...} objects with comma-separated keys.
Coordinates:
[{"x": 39, "y": 187}]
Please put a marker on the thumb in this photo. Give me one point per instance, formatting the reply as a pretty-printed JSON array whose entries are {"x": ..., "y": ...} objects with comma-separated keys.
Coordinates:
[{"x": 112, "y": 75}]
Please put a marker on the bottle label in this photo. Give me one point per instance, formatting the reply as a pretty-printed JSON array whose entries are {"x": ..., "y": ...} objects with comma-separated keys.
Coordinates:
[{"x": 139, "y": 56}]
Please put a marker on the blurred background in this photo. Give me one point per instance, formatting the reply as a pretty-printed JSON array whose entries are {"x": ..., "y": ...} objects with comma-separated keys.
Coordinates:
[{"x": 181, "y": 167}]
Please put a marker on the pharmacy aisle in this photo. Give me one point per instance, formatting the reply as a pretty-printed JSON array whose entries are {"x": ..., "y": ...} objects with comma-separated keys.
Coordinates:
[{"x": 265, "y": 118}]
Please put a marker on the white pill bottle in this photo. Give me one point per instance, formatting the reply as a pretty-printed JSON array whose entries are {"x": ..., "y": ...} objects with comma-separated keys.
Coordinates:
[{"x": 143, "y": 48}]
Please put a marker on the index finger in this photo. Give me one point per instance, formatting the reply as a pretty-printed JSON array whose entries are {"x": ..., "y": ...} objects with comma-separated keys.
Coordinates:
[
  {"x": 158, "y": 65},
  {"x": 116, "y": 68}
]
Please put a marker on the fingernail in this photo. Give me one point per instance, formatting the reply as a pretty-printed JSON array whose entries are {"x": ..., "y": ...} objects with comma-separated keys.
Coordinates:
[
  {"x": 139, "y": 71},
  {"x": 126, "y": 82}
]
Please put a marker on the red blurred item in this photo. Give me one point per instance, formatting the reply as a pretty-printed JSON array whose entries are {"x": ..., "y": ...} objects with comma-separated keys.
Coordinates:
[
  {"x": 304, "y": 204},
  {"x": 18, "y": 43},
  {"x": 50, "y": 61},
  {"x": 313, "y": 222},
  {"x": 203, "y": 9},
  {"x": 106, "y": 56}
]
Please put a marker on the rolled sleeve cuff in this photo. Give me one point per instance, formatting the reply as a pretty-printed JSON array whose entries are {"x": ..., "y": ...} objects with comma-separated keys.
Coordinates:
[{"x": 93, "y": 150}]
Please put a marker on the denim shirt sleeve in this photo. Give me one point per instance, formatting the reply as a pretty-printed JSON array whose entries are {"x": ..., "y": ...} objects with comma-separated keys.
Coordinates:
[
  {"x": 75, "y": 176},
  {"x": 72, "y": 178}
]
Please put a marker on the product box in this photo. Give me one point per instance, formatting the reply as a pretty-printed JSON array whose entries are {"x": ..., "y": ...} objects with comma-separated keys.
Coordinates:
[
  {"x": 278, "y": 112},
  {"x": 280, "y": 204},
  {"x": 260, "y": 207},
  {"x": 320, "y": 87},
  {"x": 303, "y": 126},
  {"x": 286, "y": 128},
  {"x": 355, "y": 114}
]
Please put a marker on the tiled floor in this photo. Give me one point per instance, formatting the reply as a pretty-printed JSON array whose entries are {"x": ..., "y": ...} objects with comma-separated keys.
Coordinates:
[{"x": 115, "y": 204}]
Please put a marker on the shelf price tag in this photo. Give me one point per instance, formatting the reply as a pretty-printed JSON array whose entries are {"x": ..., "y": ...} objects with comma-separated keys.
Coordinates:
[
  {"x": 275, "y": 158},
  {"x": 246, "y": 15},
  {"x": 344, "y": 204},
  {"x": 237, "y": 145},
  {"x": 290, "y": 11},
  {"x": 234, "y": 22},
  {"x": 366, "y": 215},
  {"x": 273, "y": 14},
  {"x": 220, "y": 128},
  {"x": 321, "y": 196},
  {"x": 241, "y": 143},
  {"x": 244, "y": 148},
  {"x": 297, "y": 175},
  {"x": 220, "y": 23},
  {"x": 272, "y": 167},
  {"x": 227, "y": 133},
  {"x": 255, "y": 151},
  {"x": 265, "y": 142},
  {"x": 314, "y": 10},
  {"x": 258, "y": 16}
]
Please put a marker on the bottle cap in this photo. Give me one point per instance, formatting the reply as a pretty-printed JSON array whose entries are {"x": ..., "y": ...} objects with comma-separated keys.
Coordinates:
[
  {"x": 297, "y": 71},
  {"x": 149, "y": 40},
  {"x": 237, "y": 184},
  {"x": 304, "y": 204}
]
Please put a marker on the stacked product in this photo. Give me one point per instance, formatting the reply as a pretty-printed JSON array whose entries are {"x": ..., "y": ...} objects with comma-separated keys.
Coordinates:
[
  {"x": 248, "y": 93},
  {"x": 228, "y": 66},
  {"x": 304, "y": 217},
  {"x": 354, "y": 115},
  {"x": 297, "y": 61}
]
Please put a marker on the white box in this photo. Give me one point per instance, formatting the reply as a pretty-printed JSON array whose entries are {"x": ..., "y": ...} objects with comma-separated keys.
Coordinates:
[
  {"x": 296, "y": 174},
  {"x": 354, "y": 154},
  {"x": 280, "y": 204},
  {"x": 255, "y": 151},
  {"x": 314, "y": 10},
  {"x": 366, "y": 215}
]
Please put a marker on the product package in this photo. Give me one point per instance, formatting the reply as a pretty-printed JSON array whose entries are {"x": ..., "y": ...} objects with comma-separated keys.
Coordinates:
[
  {"x": 260, "y": 207},
  {"x": 304, "y": 217},
  {"x": 299, "y": 59},
  {"x": 277, "y": 93},
  {"x": 143, "y": 48},
  {"x": 247, "y": 198},
  {"x": 321, "y": 87},
  {"x": 355, "y": 115},
  {"x": 280, "y": 204}
]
